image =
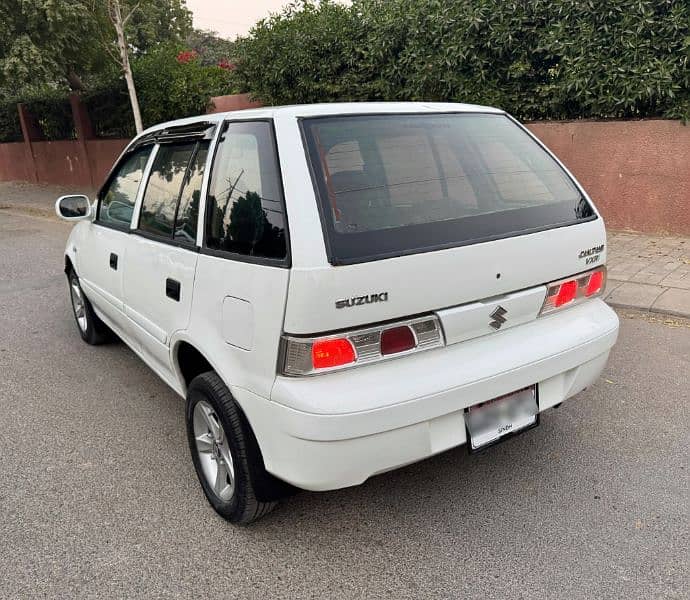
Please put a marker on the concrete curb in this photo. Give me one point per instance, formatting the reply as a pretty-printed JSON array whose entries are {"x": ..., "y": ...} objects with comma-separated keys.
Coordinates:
[
  {"x": 34, "y": 211},
  {"x": 654, "y": 311},
  {"x": 648, "y": 298}
]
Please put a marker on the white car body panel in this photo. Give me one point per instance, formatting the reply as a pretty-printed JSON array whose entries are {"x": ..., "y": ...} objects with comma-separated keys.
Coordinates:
[
  {"x": 436, "y": 280},
  {"x": 337, "y": 429},
  {"x": 101, "y": 283},
  {"x": 264, "y": 288},
  {"x": 146, "y": 304}
]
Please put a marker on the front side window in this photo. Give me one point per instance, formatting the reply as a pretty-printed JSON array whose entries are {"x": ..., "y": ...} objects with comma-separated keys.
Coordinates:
[
  {"x": 117, "y": 198},
  {"x": 170, "y": 205},
  {"x": 397, "y": 184},
  {"x": 188, "y": 209},
  {"x": 245, "y": 213},
  {"x": 163, "y": 188}
]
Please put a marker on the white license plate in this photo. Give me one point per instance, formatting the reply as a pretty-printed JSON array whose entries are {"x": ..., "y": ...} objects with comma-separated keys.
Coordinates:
[{"x": 490, "y": 421}]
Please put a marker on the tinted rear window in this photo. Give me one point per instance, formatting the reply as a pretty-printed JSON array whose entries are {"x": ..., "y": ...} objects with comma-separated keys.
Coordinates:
[{"x": 396, "y": 184}]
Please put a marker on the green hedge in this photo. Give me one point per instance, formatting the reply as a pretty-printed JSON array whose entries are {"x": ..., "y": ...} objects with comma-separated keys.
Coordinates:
[
  {"x": 109, "y": 110},
  {"x": 539, "y": 59},
  {"x": 10, "y": 127},
  {"x": 52, "y": 111},
  {"x": 54, "y": 116}
]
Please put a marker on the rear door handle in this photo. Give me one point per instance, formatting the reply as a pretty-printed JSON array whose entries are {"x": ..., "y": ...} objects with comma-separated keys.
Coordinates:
[
  {"x": 113, "y": 261},
  {"x": 172, "y": 289}
]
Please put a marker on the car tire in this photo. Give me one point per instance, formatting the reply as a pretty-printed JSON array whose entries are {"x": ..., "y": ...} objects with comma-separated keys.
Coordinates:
[
  {"x": 226, "y": 455},
  {"x": 92, "y": 330}
]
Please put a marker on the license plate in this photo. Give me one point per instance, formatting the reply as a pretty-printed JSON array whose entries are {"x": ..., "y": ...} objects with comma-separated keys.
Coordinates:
[{"x": 491, "y": 421}]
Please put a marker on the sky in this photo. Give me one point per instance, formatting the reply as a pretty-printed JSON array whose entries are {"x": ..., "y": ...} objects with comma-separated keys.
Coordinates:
[{"x": 231, "y": 18}]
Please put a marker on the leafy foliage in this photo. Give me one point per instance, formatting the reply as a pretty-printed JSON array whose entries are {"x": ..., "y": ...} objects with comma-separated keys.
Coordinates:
[
  {"x": 156, "y": 22},
  {"x": 212, "y": 50},
  {"x": 168, "y": 88},
  {"x": 10, "y": 127},
  {"x": 49, "y": 47},
  {"x": 536, "y": 58},
  {"x": 308, "y": 53},
  {"x": 109, "y": 110},
  {"x": 45, "y": 44},
  {"x": 42, "y": 43},
  {"x": 54, "y": 116},
  {"x": 172, "y": 89}
]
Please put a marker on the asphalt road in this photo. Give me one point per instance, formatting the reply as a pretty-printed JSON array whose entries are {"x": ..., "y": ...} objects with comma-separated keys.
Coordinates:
[{"x": 98, "y": 496}]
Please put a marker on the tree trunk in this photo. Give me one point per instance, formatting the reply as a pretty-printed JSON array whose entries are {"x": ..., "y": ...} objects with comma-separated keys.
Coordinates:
[
  {"x": 116, "y": 16},
  {"x": 74, "y": 81}
]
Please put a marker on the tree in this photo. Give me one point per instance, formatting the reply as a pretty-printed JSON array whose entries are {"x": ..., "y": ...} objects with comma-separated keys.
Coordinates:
[
  {"x": 63, "y": 45},
  {"x": 157, "y": 22},
  {"x": 43, "y": 43},
  {"x": 119, "y": 22},
  {"x": 212, "y": 50}
]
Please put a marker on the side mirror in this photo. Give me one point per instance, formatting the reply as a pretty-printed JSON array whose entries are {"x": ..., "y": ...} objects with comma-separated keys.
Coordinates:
[{"x": 73, "y": 208}]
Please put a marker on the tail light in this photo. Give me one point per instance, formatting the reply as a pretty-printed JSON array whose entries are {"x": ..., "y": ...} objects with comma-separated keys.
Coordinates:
[
  {"x": 574, "y": 290},
  {"x": 312, "y": 355}
]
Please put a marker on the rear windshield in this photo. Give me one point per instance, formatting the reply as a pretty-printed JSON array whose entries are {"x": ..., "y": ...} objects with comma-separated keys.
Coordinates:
[{"x": 397, "y": 184}]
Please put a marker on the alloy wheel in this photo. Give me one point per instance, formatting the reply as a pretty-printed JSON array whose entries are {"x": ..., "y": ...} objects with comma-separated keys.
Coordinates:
[
  {"x": 78, "y": 304},
  {"x": 213, "y": 449}
]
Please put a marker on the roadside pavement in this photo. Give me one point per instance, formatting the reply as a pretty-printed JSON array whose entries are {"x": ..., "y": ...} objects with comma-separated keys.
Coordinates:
[
  {"x": 35, "y": 198},
  {"x": 645, "y": 272},
  {"x": 649, "y": 272}
]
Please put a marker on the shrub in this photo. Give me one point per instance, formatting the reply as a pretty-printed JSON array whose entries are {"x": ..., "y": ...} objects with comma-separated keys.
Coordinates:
[
  {"x": 54, "y": 115},
  {"x": 307, "y": 53},
  {"x": 110, "y": 111},
  {"x": 172, "y": 83},
  {"x": 536, "y": 58},
  {"x": 10, "y": 128}
]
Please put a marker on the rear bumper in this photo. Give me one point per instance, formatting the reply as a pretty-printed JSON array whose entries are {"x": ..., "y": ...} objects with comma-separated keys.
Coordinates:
[{"x": 337, "y": 430}]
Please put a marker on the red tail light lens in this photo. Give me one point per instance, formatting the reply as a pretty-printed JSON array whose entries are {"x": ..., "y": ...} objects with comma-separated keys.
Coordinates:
[
  {"x": 332, "y": 353},
  {"x": 573, "y": 290},
  {"x": 566, "y": 293},
  {"x": 397, "y": 339},
  {"x": 596, "y": 283},
  {"x": 322, "y": 354}
]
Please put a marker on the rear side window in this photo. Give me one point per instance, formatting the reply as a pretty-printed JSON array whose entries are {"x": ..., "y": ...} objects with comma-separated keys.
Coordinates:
[
  {"x": 397, "y": 184},
  {"x": 120, "y": 193},
  {"x": 245, "y": 212},
  {"x": 170, "y": 206}
]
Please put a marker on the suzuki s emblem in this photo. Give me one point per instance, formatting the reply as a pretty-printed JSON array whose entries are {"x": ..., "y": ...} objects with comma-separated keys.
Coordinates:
[{"x": 498, "y": 317}]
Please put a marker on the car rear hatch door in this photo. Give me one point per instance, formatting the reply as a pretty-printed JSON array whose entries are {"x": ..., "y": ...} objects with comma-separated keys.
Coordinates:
[{"x": 455, "y": 213}]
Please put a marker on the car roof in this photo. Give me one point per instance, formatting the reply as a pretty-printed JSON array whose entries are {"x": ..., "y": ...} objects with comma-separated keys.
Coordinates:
[{"x": 330, "y": 109}]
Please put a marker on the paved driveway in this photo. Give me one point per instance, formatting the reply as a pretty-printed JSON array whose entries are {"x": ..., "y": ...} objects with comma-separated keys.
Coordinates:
[{"x": 98, "y": 497}]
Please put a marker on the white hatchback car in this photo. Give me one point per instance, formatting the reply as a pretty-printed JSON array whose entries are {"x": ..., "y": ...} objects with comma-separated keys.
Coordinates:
[{"x": 342, "y": 289}]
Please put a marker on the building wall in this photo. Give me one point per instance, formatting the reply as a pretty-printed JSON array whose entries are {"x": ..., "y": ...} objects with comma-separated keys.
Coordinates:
[
  {"x": 232, "y": 102},
  {"x": 102, "y": 154},
  {"x": 61, "y": 162},
  {"x": 14, "y": 163},
  {"x": 637, "y": 172}
]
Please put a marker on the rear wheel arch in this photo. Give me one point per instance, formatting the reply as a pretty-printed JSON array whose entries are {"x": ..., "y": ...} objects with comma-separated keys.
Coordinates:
[
  {"x": 69, "y": 267},
  {"x": 189, "y": 363}
]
